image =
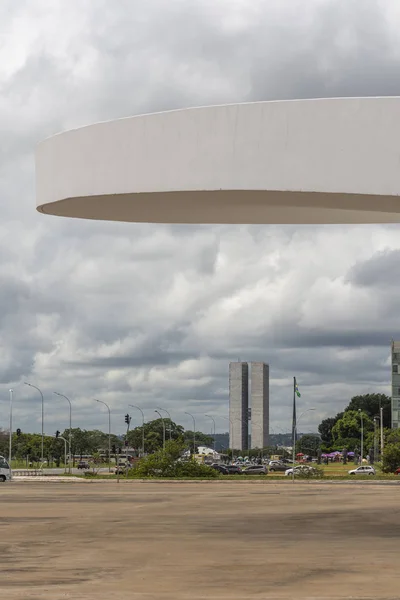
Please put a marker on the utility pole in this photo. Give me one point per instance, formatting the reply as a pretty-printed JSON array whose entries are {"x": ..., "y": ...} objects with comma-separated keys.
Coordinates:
[
  {"x": 109, "y": 432},
  {"x": 128, "y": 422},
  {"x": 170, "y": 421},
  {"x": 40, "y": 392},
  {"x": 163, "y": 426},
  {"x": 194, "y": 432},
  {"x": 70, "y": 428},
  {"x": 213, "y": 420},
  {"x": 137, "y": 407},
  {"x": 11, "y": 426}
]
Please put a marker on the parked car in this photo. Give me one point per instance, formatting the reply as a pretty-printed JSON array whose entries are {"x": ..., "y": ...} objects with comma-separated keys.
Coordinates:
[
  {"x": 5, "y": 470},
  {"x": 299, "y": 469},
  {"x": 364, "y": 470},
  {"x": 277, "y": 467},
  {"x": 221, "y": 469},
  {"x": 121, "y": 468},
  {"x": 255, "y": 470},
  {"x": 83, "y": 464},
  {"x": 234, "y": 469}
]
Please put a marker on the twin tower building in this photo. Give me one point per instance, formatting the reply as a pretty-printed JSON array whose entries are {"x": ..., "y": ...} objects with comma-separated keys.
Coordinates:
[{"x": 241, "y": 414}]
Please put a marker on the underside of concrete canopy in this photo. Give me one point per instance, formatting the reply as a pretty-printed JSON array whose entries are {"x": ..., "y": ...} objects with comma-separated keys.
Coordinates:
[{"x": 300, "y": 161}]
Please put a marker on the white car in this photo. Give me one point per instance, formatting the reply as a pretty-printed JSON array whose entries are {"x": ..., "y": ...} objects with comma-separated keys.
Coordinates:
[
  {"x": 367, "y": 470},
  {"x": 298, "y": 469},
  {"x": 5, "y": 470}
]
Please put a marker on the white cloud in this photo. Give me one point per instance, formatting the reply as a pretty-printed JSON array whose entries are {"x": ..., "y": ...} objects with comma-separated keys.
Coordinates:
[{"x": 153, "y": 314}]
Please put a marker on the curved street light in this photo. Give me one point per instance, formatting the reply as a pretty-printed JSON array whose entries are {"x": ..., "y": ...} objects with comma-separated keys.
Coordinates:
[
  {"x": 11, "y": 426},
  {"x": 170, "y": 421},
  {"x": 262, "y": 444},
  {"x": 109, "y": 431},
  {"x": 213, "y": 420},
  {"x": 40, "y": 392},
  {"x": 194, "y": 431},
  {"x": 70, "y": 426},
  {"x": 137, "y": 408},
  {"x": 163, "y": 426},
  {"x": 230, "y": 434}
]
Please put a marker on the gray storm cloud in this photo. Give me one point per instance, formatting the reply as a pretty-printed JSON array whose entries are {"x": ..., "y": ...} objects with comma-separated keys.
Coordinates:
[{"x": 155, "y": 313}]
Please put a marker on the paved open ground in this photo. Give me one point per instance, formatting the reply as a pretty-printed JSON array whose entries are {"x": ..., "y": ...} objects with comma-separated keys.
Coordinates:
[{"x": 175, "y": 541}]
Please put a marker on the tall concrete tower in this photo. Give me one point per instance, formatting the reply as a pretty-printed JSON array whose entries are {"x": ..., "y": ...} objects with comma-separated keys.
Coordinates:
[
  {"x": 238, "y": 405},
  {"x": 259, "y": 405},
  {"x": 395, "y": 384}
]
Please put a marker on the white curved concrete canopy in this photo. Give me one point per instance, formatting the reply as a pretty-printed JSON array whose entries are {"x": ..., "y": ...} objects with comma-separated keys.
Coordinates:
[{"x": 306, "y": 161}]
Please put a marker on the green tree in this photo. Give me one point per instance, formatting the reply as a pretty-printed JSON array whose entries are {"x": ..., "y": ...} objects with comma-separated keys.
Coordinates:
[
  {"x": 391, "y": 458},
  {"x": 153, "y": 434},
  {"x": 370, "y": 404},
  {"x": 349, "y": 426},
  {"x": 392, "y": 436},
  {"x": 349, "y": 443},
  {"x": 308, "y": 444},
  {"x": 201, "y": 439},
  {"x": 86, "y": 442},
  {"x": 4, "y": 443},
  {"x": 325, "y": 428}
]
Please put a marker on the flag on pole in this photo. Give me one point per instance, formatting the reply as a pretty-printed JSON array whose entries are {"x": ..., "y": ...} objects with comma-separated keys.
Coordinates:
[
  {"x": 294, "y": 424},
  {"x": 296, "y": 389}
]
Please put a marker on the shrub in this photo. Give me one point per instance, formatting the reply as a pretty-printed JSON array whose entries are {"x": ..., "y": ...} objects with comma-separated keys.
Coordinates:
[
  {"x": 391, "y": 458},
  {"x": 310, "y": 473},
  {"x": 169, "y": 463}
]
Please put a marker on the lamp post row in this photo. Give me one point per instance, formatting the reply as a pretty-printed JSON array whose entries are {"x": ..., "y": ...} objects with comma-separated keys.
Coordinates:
[{"x": 109, "y": 424}]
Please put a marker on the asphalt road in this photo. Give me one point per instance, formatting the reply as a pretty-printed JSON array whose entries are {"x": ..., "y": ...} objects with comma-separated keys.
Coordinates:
[{"x": 197, "y": 541}]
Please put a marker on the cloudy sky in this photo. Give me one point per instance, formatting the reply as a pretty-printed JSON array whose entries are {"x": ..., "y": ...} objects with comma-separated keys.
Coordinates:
[{"x": 152, "y": 315}]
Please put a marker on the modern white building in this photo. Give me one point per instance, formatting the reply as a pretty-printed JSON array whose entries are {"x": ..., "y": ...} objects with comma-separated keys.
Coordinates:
[
  {"x": 300, "y": 161},
  {"x": 259, "y": 394},
  {"x": 395, "y": 384},
  {"x": 238, "y": 405}
]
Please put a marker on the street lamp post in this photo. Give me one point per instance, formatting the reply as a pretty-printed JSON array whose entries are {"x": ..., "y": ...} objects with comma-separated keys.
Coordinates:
[
  {"x": 170, "y": 421},
  {"x": 294, "y": 439},
  {"x": 109, "y": 432},
  {"x": 262, "y": 445},
  {"x": 11, "y": 426},
  {"x": 213, "y": 420},
  {"x": 362, "y": 435},
  {"x": 40, "y": 392},
  {"x": 230, "y": 430},
  {"x": 137, "y": 408},
  {"x": 60, "y": 437},
  {"x": 163, "y": 426},
  {"x": 70, "y": 427},
  {"x": 381, "y": 415},
  {"x": 194, "y": 432}
]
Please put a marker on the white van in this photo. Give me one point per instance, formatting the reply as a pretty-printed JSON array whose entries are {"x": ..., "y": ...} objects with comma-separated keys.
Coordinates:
[{"x": 5, "y": 470}]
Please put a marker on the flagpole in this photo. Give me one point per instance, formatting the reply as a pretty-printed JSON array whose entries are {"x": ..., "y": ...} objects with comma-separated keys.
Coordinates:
[{"x": 294, "y": 427}]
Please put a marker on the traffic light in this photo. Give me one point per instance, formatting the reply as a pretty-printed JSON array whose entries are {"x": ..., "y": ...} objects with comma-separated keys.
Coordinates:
[
  {"x": 119, "y": 450},
  {"x": 126, "y": 442},
  {"x": 127, "y": 419},
  {"x": 57, "y": 433},
  {"x": 113, "y": 449},
  {"x": 19, "y": 431}
]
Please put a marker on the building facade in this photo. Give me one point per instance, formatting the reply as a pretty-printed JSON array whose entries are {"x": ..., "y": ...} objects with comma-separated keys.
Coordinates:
[
  {"x": 259, "y": 405},
  {"x": 238, "y": 405},
  {"x": 395, "y": 384}
]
